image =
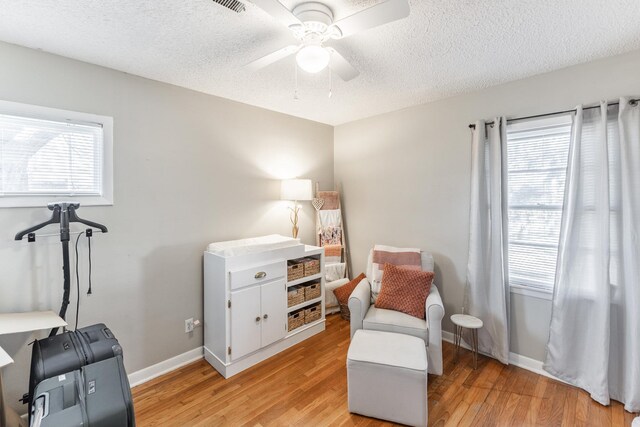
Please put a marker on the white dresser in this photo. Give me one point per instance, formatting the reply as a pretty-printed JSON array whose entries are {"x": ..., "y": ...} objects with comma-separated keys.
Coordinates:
[{"x": 246, "y": 308}]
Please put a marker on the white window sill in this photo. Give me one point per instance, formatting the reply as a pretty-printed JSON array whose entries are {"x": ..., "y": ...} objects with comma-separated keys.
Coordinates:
[
  {"x": 535, "y": 293},
  {"x": 43, "y": 201}
]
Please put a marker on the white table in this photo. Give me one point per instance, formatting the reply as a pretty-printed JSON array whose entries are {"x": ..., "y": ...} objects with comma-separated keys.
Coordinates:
[
  {"x": 5, "y": 360},
  {"x": 11, "y": 323},
  {"x": 463, "y": 321}
]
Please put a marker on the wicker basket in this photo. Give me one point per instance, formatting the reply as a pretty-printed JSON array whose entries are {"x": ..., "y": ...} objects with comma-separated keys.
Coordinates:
[
  {"x": 312, "y": 291},
  {"x": 295, "y": 270},
  {"x": 344, "y": 312},
  {"x": 295, "y": 296},
  {"x": 296, "y": 319},
  {"x": 311, "y": 266},
  {"x": 312, "y": 313}
]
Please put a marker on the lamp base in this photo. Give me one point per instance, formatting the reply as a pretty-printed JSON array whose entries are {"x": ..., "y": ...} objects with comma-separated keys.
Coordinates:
[{"x": 294, "y": 219}]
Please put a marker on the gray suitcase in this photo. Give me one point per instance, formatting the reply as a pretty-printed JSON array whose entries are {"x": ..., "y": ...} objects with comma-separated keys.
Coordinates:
[
  {"x": 70, "y": 351},
  {"x": 97, "y": 395}
]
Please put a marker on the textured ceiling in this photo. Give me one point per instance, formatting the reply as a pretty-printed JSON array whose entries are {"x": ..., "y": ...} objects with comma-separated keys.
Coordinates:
[{"x": 443, "y": 48}]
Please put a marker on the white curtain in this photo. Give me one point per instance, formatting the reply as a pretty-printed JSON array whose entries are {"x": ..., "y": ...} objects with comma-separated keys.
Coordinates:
[
  {"x": 487, "y": 295},
  {"x": 594, "y": 339}
]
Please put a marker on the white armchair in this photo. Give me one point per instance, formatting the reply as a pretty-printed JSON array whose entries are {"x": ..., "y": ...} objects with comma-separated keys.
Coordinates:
[{"x": 364, "y": 315}]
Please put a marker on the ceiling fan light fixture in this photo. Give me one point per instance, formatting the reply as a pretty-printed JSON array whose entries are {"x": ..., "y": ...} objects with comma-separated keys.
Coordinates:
[{"x": 313, "y": 58}]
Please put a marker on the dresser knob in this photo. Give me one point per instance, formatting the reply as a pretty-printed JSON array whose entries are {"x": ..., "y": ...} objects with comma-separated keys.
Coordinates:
[
  {"x": 260, "y": 275},
  {"x": 266, "y": 316},
  {"x": 258, "y": 319}
]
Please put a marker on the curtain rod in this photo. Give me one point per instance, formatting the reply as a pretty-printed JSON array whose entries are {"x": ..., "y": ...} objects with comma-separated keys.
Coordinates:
[{"x": 631, "y": 101}]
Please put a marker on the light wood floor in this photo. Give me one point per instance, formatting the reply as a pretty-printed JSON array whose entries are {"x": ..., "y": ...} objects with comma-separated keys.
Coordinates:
[{"x": 307, "y": 386}]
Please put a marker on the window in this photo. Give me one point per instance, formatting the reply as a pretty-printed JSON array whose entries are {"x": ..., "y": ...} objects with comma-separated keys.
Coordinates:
[
  {"x": 537, "y": 153},
  {"x": 46, "y": 154}
]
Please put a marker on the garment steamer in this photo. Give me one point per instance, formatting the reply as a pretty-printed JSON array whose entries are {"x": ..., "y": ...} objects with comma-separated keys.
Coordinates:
[{"x": 64, "y": 213}]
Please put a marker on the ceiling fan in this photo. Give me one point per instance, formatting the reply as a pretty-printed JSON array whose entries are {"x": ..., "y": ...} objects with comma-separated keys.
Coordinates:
[{"x": 312, "y": 25}]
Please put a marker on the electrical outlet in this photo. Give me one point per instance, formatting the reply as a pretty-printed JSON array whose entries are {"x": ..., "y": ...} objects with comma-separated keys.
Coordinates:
[{"x": 188, "y": 325}]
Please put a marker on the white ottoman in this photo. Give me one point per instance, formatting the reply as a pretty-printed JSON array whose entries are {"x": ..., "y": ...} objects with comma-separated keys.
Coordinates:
[{"x": 387, "y": 377}]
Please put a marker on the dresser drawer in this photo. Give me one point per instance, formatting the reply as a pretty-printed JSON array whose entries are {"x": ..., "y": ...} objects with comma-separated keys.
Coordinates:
[{"x": 258, "y": 274}]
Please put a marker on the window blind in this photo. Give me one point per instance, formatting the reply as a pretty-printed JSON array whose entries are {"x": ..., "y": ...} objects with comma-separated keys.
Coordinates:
[
  {"x": 537, "y": 161},
  {"x": 48, "y": 157}
]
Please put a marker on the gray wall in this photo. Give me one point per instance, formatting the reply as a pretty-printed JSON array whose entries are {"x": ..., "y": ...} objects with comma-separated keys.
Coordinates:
[
  {"x": 406, "y": 175},
  {"x": 189, "y": 169}
]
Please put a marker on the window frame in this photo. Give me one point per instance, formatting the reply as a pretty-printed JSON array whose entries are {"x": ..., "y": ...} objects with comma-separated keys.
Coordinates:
[
  {"x": 559, "y": 119},
  {"x": 59, "y": 115}
]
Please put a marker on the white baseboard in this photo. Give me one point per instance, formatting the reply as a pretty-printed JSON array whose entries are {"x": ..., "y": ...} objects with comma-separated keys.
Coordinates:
[
  {"x": 153, "y": 371},
  {"x": 515, "y": 359}
]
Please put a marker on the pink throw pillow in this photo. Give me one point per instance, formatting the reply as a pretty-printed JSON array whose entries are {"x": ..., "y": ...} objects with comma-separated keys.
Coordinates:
[{"x": 404, "y": 290}]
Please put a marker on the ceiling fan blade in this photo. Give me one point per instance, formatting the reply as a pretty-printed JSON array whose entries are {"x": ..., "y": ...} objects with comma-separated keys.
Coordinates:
[
  {"x": 278, "y": 11},
  {"x": 273, "y": 57},
  {"x": 341, "y": 66},
  {"x": 382, "y": 13}
]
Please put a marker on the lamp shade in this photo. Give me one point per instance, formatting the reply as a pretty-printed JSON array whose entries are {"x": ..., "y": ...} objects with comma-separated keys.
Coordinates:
[{"x": 296, "y": 189}]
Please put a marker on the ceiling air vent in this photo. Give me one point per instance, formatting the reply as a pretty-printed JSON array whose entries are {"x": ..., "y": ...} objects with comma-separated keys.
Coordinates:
[{"x": 234, "y": 5}]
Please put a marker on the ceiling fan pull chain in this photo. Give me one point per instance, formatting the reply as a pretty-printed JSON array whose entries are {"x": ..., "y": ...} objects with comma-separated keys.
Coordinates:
[
  {"x": 330, "y": 83},
  {"x": 295, "y": 92}
]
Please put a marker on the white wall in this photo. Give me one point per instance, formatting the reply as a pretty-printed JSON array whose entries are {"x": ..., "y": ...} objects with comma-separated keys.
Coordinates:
[
  {"x": 406, "y": 175},
  {"x": 189, "y": 169}
]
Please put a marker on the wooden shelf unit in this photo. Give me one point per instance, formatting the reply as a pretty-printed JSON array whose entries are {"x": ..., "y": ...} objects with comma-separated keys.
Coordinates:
[{"x": 246, "y": 306}]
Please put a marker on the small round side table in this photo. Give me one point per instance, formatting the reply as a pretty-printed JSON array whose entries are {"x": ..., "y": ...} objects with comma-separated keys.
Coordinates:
[{"x": 473, "y": 324}]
